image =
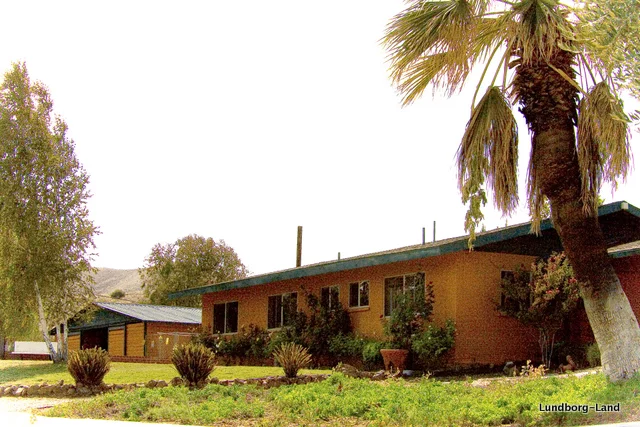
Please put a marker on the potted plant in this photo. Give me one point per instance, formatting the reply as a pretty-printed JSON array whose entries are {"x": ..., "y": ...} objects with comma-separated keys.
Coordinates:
[{"x": 411, "y": 310}]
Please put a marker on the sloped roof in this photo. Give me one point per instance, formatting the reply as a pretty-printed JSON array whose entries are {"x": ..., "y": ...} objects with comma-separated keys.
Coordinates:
[
  {"x": 620, "y": 223},
  {"x": 155, "y": 313},
  {"x": 628, "y": 249}
]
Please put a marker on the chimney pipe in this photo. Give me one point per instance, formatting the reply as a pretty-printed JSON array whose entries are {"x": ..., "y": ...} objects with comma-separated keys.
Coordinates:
[
  {"x": 423, "y": 238},
  {"x": 299, "y": 251},
  {"x": 338, "y": 256},
  {"x": 434, "y": 231}
]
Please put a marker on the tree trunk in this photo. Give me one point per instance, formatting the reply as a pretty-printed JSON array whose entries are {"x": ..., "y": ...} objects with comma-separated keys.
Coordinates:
[
  {"x": 610, "y": 315},
  {"x": 42, "y": 323},
  {"x": 2, "y": 343}
]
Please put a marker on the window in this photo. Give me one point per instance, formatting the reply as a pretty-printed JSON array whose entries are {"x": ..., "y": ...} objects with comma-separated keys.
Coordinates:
[
  {"x": 225, "y": 318},
  {"x": 511, "y": 304},
  {"x": 359, "y": 294},
  {"x": 282, "y": 310},
  {"x": 330, "y": 297},
  {"x": 394, "y": 286}
]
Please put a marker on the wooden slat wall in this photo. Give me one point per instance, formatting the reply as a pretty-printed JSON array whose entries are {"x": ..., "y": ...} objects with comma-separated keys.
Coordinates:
[
  {"x": 135, "y": 340},
  {"x": 73, "y": 342},
  {"x": 116, "y": 342}
]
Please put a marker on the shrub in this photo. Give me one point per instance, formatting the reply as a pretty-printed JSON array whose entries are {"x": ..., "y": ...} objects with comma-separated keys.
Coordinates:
[
  {"x": 371, "y": 354},
  {"x": 411, "y": 310},
  {"x": 194, "y": 362},
  {"x": 342, "y": 345},
  {"x": 89, "y": 366},
  {"x": 593, "y": 354},
  {"x": 432, "y": 342},
  {"x": 292, "y": 357},
  {"x": 118, "y": 294}
]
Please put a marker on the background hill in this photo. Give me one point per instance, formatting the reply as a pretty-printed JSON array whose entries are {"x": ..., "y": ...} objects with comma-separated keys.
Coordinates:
[{"x": 108, "y": 280}]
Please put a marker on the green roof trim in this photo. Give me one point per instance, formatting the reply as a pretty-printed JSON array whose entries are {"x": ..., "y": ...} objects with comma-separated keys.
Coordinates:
[{"x": 442, "y": 247}]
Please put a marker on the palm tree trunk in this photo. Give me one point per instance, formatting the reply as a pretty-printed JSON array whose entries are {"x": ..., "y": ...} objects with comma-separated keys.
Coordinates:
[{"x": 610, "y": 315}]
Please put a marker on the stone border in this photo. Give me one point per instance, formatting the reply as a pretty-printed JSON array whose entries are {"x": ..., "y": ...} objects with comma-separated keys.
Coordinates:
[{"x": 60, "y": 389}]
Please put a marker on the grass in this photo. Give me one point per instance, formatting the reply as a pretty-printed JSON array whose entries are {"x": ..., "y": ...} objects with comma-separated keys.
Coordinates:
[
  {"x": 347, "y": 401},
  {"x": 25, "y": 372}
]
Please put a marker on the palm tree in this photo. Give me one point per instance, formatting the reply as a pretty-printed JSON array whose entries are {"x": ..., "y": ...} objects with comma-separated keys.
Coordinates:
[{"x": 531, "y": 54}]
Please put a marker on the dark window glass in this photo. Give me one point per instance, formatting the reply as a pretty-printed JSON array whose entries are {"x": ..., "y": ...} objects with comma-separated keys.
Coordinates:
[
  {"x": 364, "y": 294},
  {"x": 218, "y": 318},
  {"x": 232, "y": 317},
  {"x": 354, "y": 297},
  {"x": 289, "y": 308},
  {"x": 324, "y": 297},
  {"x": 330, "y": 296},
  {"x": 275, "y": 311},
  {"x": 392, "y": 288},
  {"x": 359, "y": 294}
]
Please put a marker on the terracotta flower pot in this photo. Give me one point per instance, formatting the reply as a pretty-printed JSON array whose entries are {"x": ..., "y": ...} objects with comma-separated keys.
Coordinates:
[{"x": 394, "y": 359}]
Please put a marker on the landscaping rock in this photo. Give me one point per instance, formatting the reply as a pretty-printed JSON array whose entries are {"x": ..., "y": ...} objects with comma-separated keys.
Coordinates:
[
  {"x": 152, "y": 384},
  {"x": 214, "y": 381},
  {"x": 177, "y": 381},
  {"x": 161, "y": 383}
]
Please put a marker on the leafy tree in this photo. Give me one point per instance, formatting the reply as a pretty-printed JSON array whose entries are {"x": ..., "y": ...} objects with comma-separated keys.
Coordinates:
[
  {"x": 579, "y": 131},
  {"x": 45, "y": 232},
  {"x": 117, "y": 294},
  {"x": 543, "y": 296},
  {"x": 190, "y": 262}
]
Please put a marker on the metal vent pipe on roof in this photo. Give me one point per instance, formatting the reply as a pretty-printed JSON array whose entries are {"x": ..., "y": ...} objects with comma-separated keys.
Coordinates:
[
  {"x": 299, "y": 248},
  {"x": 434, "y": 231},
  {"x": 423, "y": 238}
]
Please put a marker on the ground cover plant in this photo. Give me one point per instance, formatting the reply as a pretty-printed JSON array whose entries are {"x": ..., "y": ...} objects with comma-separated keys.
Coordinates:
[
  {"x": 27, "y": 372},
  {"x": 342, "y": 400}
]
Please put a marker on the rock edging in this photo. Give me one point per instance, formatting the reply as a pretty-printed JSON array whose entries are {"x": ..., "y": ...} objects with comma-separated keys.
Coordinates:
[{"x": 60, "y": 389}]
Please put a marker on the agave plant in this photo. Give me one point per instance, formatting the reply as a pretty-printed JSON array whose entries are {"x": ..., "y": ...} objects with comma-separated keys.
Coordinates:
[
  {"x": 89, "y": 366},
  {"x": 292, "y": 357},
  {"x": 194, "y": 362},
  {"x": 536, "y": 54}
]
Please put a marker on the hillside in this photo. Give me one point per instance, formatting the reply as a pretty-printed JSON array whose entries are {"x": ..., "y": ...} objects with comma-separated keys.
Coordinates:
[{"x": 108, "y": 280}]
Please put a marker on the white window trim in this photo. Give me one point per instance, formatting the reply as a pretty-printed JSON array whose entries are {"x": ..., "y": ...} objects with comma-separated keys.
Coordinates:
[
  {"x": 213, "y": 323},
  {"x": 330, "y": 287},
  {"x": 404, "y": 287},
  {"x": 359, "y": 283},
  {"x": 277, "y": 328}
]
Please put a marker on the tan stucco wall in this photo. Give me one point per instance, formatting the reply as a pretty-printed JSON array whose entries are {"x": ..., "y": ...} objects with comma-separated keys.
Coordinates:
[{"x": 466, "y": 287}]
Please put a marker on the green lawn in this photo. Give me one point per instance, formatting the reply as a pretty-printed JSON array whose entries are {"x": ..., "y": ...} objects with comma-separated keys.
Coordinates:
[
  {"x": 32, "y": 372},
  {"x": 342, "y": 401}
]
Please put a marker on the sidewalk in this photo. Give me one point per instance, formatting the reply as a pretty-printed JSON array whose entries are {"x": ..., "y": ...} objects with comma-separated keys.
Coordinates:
[{"x": 24, "y": 419}]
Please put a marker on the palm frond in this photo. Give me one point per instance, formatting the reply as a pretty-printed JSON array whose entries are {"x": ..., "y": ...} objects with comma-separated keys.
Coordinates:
[
  {"x": 438, "y": 31},
  {"x": 539, "y": 27},
  {"x": 489, "y": 148},
  {"x": 604, "y": 152}
]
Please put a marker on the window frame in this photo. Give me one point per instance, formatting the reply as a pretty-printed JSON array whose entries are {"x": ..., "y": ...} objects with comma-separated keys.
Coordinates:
[
  {"x": 281, "y": 320},
  {"x": 358, "y": 284},
  {"x": 404, "y": 288},
  {"x": 330, "y": 305},
  {"x": 226, "y": 319}
]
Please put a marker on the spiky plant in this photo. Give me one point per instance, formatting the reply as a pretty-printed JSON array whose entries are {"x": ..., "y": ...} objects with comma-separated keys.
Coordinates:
[
  {"x": 194, "y": 362},
  {"x": 89, "y": 366},
  {"x": 538, "y": 54},
  {"x": 292, "y": 357}
]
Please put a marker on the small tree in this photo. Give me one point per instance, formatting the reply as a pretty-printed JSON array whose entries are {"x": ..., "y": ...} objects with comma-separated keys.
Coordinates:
[
  {"x": 118, "y": 294},
  {"x": 543, "y": 297}
]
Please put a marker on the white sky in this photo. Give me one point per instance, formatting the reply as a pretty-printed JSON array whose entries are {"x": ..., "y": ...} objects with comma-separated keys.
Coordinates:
[{"x": 242, "y": 120}]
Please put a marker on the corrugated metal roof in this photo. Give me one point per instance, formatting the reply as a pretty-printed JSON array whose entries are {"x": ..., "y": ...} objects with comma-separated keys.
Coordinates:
[
  {"x": 155, "y": 313},
  {"x": 628, "y": 249}
]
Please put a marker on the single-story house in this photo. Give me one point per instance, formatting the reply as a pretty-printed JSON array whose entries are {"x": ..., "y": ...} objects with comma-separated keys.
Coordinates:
[
  {"x": 466, "y": 286},
  {"x": 134, "y": 332}
]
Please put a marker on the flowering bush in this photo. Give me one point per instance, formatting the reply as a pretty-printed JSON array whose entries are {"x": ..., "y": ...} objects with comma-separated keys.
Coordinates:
[{"x": 542, "y": 297}]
